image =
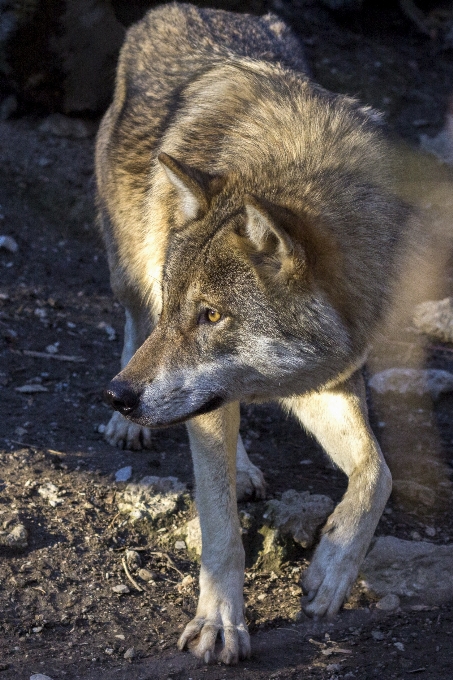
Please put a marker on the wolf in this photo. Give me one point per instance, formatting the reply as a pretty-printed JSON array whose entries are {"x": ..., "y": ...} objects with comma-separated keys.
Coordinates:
[{"x": 253, "y": 239}]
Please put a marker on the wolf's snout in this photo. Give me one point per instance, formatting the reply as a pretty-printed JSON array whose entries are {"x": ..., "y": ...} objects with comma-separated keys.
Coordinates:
[{"x": 122, "y": 397}]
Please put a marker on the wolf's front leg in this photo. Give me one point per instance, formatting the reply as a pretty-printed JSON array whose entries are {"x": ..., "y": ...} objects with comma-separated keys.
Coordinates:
[
  {"x": 338, "y": 419},
  {"x": 218, "y": 632}
]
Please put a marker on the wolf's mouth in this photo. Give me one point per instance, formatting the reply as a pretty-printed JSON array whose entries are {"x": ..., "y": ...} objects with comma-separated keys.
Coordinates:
[{"x": 207, "y": 407}]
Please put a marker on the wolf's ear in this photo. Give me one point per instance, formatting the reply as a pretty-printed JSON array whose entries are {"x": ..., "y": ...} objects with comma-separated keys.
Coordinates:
[
  {"x": 263, "y": 231},
  {"x": 192, "y": 186}
]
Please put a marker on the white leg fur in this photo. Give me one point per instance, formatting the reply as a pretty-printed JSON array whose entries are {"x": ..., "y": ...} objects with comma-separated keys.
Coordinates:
[
  {"x": 338, "y": 419},
  {"x": 220, "y": 611},
  {"x": 249, "y": 478}
]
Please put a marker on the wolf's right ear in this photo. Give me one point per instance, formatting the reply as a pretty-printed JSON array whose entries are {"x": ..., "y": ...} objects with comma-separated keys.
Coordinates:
[{"x": 191, "y": 185}]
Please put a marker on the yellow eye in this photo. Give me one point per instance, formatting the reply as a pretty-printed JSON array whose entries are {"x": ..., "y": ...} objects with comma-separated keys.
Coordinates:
[{"x": 214, "y": 315}]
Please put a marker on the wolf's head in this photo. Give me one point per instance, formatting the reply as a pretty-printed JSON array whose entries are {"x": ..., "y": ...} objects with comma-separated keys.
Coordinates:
[{"x": 244, "y": 313}]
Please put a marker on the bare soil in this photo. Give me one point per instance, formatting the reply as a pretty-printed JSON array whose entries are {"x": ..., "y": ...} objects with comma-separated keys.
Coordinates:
[{"x": 58, "y": 612}]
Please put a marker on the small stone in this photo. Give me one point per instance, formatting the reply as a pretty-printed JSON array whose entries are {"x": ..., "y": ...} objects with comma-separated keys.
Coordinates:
[
  {"x": 388, "y": 603},
  {"x": 192, "y": 532},
  {"x": 129, "y": 653},
  {"x": 180, "y": 545},
  {"x": 377, "y": 635},
  {"x": 124, "y": 474},
  {"x": 121, "y": 589},
  {"x": 415, "y": 536},
  {"x": 62, "y": 126},
  {"x": 100, "y": 428},
  {"x": 152, "y": 498},
  {"x": 50, "y": 492},
  {"x": 333, "y": 667},
  {"x": 430, "y": 531},
  {"x": 53, "y": 349},
  {"x": 399, "y": 645},
  {"x": 412, "y": 381},
  {"x": 109, "y": 651},
  {"x": 8, "y": 243},
  {"x": 17, "y": 538},
  {"x": 300, "y": 515},
  {"x": 31, "y": 389},
  {"x": 187, "y": 581},
  {"x": 40, "y": 676},
  {"x": 133, "y": 560},
  {"x": 146, "y": 575},
  {"x": 111, "y": 332},
  {"x": 37, "y": 629}
]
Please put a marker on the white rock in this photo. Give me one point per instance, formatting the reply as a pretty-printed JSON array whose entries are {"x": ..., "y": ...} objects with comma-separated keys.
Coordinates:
[
  {"x": 51, "y": 493},
  {"x": 129, "y": 653},
  {"x": 62, "y": 126},
  {"x": 300, "y": 515},
  {"x": 419, "y": 570},
  {"x": 388, "y": 603},
  {"x": 192, "y": 533},
  {"x": 31, "y": 389},
  {"x": 40, "y": 676},
  {"x": 8, "y": 243},
  {"x": 124, "y": 474},
  {"x": 412, "y": 381},
  {"x": 121, "y": 589},
  {"x": 435, "y": 318},
  {"x": 151, "y": 498},
  {"x": 16, "y": 538},
  {"x": 180, "y": 545}
]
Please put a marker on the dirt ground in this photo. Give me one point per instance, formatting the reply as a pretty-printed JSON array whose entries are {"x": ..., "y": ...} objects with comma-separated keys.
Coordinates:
[{"x": 58, "y": 613}]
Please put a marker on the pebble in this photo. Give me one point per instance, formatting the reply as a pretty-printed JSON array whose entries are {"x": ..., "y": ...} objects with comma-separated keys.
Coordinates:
[
  {"x": 109, "y": 650},
  {"x": 299, "y": 514},
  {"x": 430, "y": 531},
  {"x": 146, "y": 575},
  {"x": 124, "y": 474},
  {"x": 187, "y": 581},
  {"x": 121, "y": 589},
  {"x": 63, "y": 126},
  {"x": 180, "y": 545},
  {"x": 40, "y": 676},
  {"x": 377, "y": 635},
  {"x": 399, "y": 645},
  {"x": 31, "y": 389},
  {"x": 17, "y": 538},
  {"x": 8, "y": 243},
  {"x": 51, "y": 493},
  {"x": 333, "y": 667},
  {"x": 129, "y": 653},
  {"x": 133, "y": 559},
  {"x": 151, "y": 498},
  {"x": 388, "y": 603}
]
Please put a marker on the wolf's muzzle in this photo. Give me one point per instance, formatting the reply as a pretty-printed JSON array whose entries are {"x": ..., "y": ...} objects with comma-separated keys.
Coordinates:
[{"x": 121, "y": 396}]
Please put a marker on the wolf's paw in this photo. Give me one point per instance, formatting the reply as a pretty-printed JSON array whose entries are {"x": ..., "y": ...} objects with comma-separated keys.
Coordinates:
[
  {"x": 328, "y": 580},
  {"x": 127, "y": 435},
  {"x": 201, "y": 638},
  {"x": 249, "y": 482}
]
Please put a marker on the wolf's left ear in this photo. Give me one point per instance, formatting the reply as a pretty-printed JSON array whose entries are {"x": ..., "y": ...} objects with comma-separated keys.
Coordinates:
[
  {"x": 192, "y": 186},
  {"x": 263, "y": 231}
]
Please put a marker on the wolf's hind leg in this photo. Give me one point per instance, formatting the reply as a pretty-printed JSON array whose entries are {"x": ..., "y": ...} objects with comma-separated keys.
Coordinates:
[
  {"x": 249, "y": 478},
  {"x": 120, "y": 431},
  {"x": 338, "y": 419}
]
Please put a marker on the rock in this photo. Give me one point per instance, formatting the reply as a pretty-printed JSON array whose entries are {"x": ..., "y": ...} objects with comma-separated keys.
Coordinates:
[
  {"x": 435, "y": 319},
  {"x": 31, "y": 389},
  {"x": 187, "y": 581},
  {"x": 133, "y": 560},
  {"x": 273, "y": 552},
  {"x": 192, "y": 533},
  {"x": 40, "y": 676},
  {"x": 377, "y": 635},
  {"x": 51, "y": 493},
  {"x": 180, "y": 545},
  {"x": 62, "y": 126},
  {"x": 152, "y": 498},
  {"x": 430, "y": 531},
  {"x": 419, "y": 570},
  {"x": 121, "y": 589},
  {"x": 124, "y": 474},
  {"x": 399, "y": 646},
  {"x": 109, "y": 651},
  {"x": 8, "y": 243},
  {"x": 129, "y": 653},
  {"x": 111, "y": 332},
  {"x": 388, "y": 603},
  {"x": 412, "y": 381},
  {"x": 412, "y": 492},
  {"x": 299, "y": 514},
  {"x": 146, "y": 575},
  {"x": 16, "y": 538}
]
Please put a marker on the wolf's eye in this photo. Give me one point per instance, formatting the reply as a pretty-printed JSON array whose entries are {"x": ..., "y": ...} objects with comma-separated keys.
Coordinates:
[{"x": 213, "y": 315}]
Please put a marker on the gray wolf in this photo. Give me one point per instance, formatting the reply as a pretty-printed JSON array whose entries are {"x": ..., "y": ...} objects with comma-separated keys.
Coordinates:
[{"x": 253, "y": 240}]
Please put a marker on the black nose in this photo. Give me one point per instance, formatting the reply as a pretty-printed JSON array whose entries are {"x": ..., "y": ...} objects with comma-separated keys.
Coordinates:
[{"x": 122, "y": 397}]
